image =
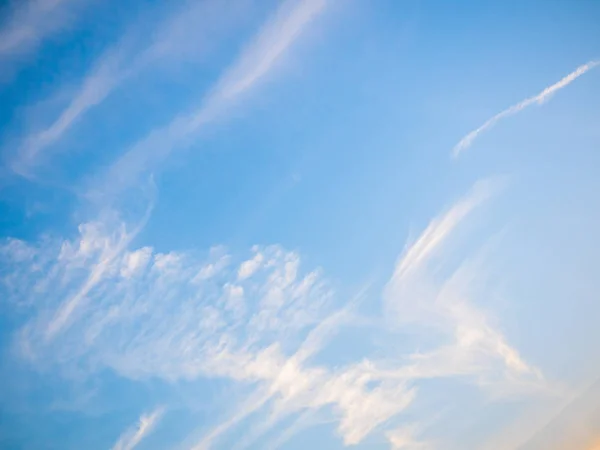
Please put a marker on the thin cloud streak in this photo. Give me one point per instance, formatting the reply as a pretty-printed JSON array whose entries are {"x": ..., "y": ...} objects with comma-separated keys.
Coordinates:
[
  {"x": 96, "y": 87},
  {"x": 111, "y": 250},
  {"x": 440, "y": 228},
  {"x": 133, "y": 436},
  {"x": 31, "y": 22},
  {"x": 171, "y": 39},
  {"x": 416, "y": 295},
  {"x": 287, "y": 386},
  {"x": 272, "y": 41},
  {"x": 250, "y": 406},
  {"x": 255, "y": 63},
  {"x": 540, "y": 98}
]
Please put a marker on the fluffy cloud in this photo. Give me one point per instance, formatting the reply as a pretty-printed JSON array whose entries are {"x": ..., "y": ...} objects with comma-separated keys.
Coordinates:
[
  {"x": 178, "y": 316},
  {"x": 260, "y": 320}
]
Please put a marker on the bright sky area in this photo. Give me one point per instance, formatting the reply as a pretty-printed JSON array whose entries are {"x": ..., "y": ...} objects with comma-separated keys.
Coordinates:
[{"x": 292, "y": 224}]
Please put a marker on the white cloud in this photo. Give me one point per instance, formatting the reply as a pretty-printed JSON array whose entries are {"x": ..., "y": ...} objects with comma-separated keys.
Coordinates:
[
  {"x": 104, "y": 249},
  {"x": 213, "y": 320},
  {"x": 184, "y": 35},
  {"x": 94, "y": 89},
  {"x": 432, "y": 239},
  {"x": 133, "y": 436},
  {"x": 249, "y": 267},
  {"x": 436, "y": 297},
  {"x": 292, "y": 387},
  {"x": 162, "y": 322},
  {"x": 360, "y": 401},
  {"x": 134, "y": 261},
  {"x": 246, "y": 408},
  {"x": 215, "y": 267},
  {"x": 268, "y": 46},
  {"x": 30, "y": 22},
  {"x": 150, "y": 315},
  {"x": 254, "y": 64},
  {"x": 403, "y": 438},
  {"x": 540, "y": 98}
]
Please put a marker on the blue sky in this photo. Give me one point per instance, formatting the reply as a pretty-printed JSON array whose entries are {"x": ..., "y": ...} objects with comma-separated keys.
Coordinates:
[{"x": 242, "y": 224}]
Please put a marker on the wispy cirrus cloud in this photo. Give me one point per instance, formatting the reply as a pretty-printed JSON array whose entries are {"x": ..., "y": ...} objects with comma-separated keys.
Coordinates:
[
  {"x": 260, "y": 322},
  {"x": 539, "y": 99},
  {"x": 134, "y": 435},
  {"x": 30, "y": 22},
  {"x": 151, "y": 315},
  {"x": 270, "y": 44},
  {"x": 256, "y": 62},
  {"x": 185, "y": 34},
  {"x": 430, "y": 293},
  {"x": 471, "y": 348},
  {"x": 360, "y": 402}
]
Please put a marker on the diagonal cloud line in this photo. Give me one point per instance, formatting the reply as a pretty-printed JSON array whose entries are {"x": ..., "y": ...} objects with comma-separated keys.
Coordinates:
[
  {"x": 68, "y": 307},
  {"x": 255, "y": 63},
  {"x": 30, "y": 23},
  {"x": 134, "y": 435},
  {"x": 272, "y": 41},
  {"x": 96, "y": 88},
  {"x": 312, "y": 343},
  {"x": 540, "y": 98},
  {"x": 432, "y": 238},
  {"x": 415, "y": 295},
  {"x": 111, "y": 71},
  {"x": 254, "y": 403}
]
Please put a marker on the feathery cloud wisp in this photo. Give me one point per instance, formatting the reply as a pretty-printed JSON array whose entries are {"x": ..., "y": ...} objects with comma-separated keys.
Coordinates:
[
  {"x": 256, "y": 62},
  {"x": 106, "y": 249},
  {"x": 540, "y": 98},
  {"x": 418, "y": 295},
  {"x": 268, "y": 46},
  {"x": 174, "y": 316},
  {"x": 125, "y": 59},
  {"x": 32, "y": 21},
  {"x": 134, "y": 435}
]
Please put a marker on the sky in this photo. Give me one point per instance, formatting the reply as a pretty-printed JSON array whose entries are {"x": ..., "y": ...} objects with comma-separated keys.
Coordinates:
[{"x": 291, "y": 224}]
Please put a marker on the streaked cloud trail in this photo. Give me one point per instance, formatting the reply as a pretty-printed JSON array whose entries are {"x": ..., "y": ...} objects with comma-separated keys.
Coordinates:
[
  {"x": 415, "y": 295},
  {"x": 256, "y": 62},
  {"x": 178, "y": 35},
  {"x": 134, "y": 435},
  {"x": 540, "y": 98},
  {"x": 30, "y": 23}
]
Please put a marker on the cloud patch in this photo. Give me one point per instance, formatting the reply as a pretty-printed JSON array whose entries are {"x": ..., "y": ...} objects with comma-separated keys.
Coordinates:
[
  {"x": 133, "y": 436},
  {"x": 259, "y": 321}
]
